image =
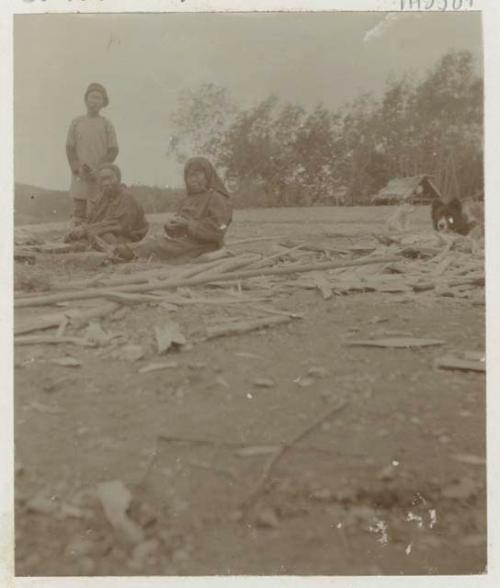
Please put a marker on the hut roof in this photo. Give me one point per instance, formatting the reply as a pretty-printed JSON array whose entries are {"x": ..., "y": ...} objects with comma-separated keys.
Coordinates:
[{"x": 405, "y": 188}]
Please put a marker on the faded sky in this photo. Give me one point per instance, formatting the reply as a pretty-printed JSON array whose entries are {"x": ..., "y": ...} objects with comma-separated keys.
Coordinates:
[{"x": 144, "y": 60}]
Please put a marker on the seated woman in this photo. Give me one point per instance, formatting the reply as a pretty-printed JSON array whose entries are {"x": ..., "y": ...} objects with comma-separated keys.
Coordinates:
[
  {"x": 115, "y": 218},
  {"x": 199, "y": 224}
]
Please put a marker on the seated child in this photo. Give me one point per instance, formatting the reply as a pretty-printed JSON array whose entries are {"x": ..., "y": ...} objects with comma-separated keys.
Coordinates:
[
  {"x": 91, "y": 141},
  {"x": 116, "y": 216}
]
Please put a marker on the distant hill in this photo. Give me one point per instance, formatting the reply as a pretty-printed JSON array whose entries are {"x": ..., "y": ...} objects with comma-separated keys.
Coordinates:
[
  {"x": 33, "y": 205},
  {"x": 37, "y": 205}
]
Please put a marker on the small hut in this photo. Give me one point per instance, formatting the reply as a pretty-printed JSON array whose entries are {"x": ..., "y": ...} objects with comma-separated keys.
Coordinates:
[{"x": 413, "y": 190}]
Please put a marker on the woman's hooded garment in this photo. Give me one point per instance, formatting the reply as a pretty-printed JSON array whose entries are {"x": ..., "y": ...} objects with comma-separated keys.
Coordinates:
[{"x": 208, "y": 213}]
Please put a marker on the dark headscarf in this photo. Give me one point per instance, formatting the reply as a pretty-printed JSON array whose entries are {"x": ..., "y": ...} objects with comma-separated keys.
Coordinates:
[
  {"x": 95, "y": 87},
  {"x": 214, "y": 182}
]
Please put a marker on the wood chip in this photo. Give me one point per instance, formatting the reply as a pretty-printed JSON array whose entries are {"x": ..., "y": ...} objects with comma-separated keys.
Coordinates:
[
  {"x": 44, "y": 408},
  {"x": 67, "y": 362},
  {"x": 267, "y": 518},
  {"x": 51, "y": 340},
  {"x": 132, "y": 298},
  {"x": 475, "y": 355},
  {"x": 264, "y": 383},
  {"x": 323, "y": 285},
  {"x": 75, "y": 512},
  {"x": 62, "y": 326},
  {"x": 167, "y": 335},
  {"x": 129, "y": 353},
  {"x": 239, "y": 327},
  {"x": 452, "y": 362},
  {"x": 42, "y": 505},
  {"x": 469, "y": 459},
  {"x": 115, "y": 500},
  {"x": 257, "y": 450},
  {"x": 304, "y": 381},
  {"x": 94, "y": 334},
  {"x": 396, "y": 342},
  {"x": 155, "y": 367},
  {"x": 220, "y": 381},
  {"x": 317, "y": 372},
  {"x": 247, "y": 355}
]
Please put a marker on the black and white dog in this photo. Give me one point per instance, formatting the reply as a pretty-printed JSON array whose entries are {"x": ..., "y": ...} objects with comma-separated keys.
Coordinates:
[{"x": 457, "y": 216}]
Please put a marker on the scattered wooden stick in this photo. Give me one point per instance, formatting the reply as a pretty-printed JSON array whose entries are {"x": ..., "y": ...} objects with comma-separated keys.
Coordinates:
[
  {"x": 301, "y": 268},
  {"x": 176, "y": 272},
  {"x": 474, "y": 280},
  {"x": 229, "y": 265},
  {"x": 253, "y": 239},
  {"x": 24, "y": 254},
  {"x": 239, "y": 327},
  {"x": 282, "y": 449},
  {"x": 104, "y": 246},
  {"x": 396, "y": 342},
  {"x": 263, "y": 262},
  {"x": 197, "y": 281},
  {"x": 60, "y": 247},
  {"x": 179, "y": 301},
  {"x": 92, "y": 259},
  {"x": 290, "y": 314},
  {"x": 77, "y": 318},
  {"x": 39, "y": 323},
  {"x": 62, "y": 327},
  {"x": 451, "y": 362},
  {"x": 315, "y": 248},
  {"x": 128, "y": 298},
  {"x": 142, "y": 277},
  {"x": 218, "y": 254},
  {"x": 51, "y": 340}
]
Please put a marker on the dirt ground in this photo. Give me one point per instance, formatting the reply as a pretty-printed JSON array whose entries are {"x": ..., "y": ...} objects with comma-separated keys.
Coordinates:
[{"x": 280, "y": 451}]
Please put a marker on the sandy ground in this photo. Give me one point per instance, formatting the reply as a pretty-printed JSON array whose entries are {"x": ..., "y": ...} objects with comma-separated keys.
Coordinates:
[{"x": 281, "y": 451}]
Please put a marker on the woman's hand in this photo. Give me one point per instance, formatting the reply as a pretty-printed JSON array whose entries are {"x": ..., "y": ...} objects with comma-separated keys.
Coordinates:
[
  {"x": 176, "y": 222},
  {"x": 179, "y": 222},
  {"x": 87, "y": 172},
  {"x": 76, "y": 234}
]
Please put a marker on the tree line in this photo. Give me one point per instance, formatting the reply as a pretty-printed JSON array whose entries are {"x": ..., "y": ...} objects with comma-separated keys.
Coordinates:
[{"x": 277, "y": 153}]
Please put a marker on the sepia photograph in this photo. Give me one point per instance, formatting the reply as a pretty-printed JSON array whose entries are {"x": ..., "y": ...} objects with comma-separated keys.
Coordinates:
[{"x": 249, "y": 294}]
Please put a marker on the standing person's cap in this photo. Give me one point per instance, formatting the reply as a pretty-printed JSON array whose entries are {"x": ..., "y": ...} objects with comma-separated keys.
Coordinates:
[{"x": 95, "y": 87}]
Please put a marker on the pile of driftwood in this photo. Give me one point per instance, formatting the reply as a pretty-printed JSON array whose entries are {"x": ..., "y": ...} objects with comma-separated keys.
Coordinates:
[
  {"x": 394, "y": 265},
  {"x": 431, "y": 264}
]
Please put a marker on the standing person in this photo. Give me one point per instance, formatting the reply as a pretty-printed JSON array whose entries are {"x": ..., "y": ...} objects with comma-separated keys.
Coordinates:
[
  {"x": 200, "y": 222},
  {"x": 116, "y": 216},
  {"x": 91, "y": 141}
]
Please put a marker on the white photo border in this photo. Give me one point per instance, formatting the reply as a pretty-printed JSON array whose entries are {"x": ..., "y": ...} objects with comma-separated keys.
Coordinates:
[{"x": 491, "y": 26}]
